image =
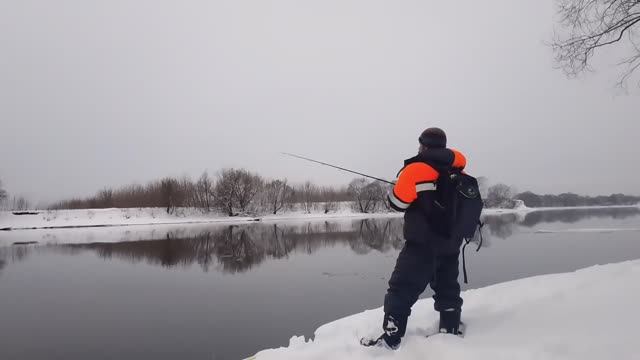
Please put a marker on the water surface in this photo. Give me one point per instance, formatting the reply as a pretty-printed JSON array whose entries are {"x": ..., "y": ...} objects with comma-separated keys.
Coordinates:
[{"x": 225, "y": 292}]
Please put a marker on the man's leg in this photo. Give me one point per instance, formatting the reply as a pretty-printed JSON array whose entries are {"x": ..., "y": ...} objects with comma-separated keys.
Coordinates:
[
  {"x": 447, "y": 298},
  {"x": 414, "y": 268}
]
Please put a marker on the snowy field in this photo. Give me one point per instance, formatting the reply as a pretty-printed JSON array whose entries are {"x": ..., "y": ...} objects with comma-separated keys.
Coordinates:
[
  {"x": 49, "y": 219},
  {"x": 590, "y": 314}
]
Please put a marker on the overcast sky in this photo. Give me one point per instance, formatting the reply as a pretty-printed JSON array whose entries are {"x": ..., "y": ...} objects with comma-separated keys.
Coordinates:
[{"x": 106, "y": 93}]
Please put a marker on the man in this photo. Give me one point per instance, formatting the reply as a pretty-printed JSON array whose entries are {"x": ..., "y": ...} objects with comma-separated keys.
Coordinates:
[{"x": 429, "y": 255}]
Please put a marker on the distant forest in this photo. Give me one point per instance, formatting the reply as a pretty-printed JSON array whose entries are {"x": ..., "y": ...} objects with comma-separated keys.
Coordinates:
[
  {"x": 503, "y": 196},
  {"x": 239, "y": 191},
  {"x": 569, "y": 199}
]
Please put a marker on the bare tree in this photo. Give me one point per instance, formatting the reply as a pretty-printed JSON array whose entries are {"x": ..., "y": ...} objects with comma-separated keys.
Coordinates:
[
  {"x": 366, "y": 195},
  {"x": 204, "y": 192},
  {"x": 277, "y": 195},
  {"x": 225, "y": 191},
  {"x": 378, "y": 191},
  {"x": 3, "y": 194},
  {"x": 20, "y": 203},
  {"x": 592, "y": 24},
  {"x": 169, "y": 188},
  {"x": 500, "y": 195},
  {"x": 308, "y": 192},
  {"x": 105, "y": 198},
  {"x": 382, "y": 196},
  {"x": 185, "y": 194},
  {"x": 356, "y": 189},
  {"x": 236, "y": 189},
  {"x": 329, "y": 197},
  {"x": 249, "y": 185}
]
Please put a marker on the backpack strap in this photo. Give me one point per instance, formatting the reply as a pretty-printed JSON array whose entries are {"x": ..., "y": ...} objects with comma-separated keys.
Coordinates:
[{"x": 466, "y": 242}]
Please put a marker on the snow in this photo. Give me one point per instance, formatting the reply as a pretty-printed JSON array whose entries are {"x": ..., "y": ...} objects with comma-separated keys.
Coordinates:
[
  {"x": 108, "y": 234},
  {"x": 50, "y": 219},
  {"x": 588, "y": 314},
  {"x": 111, "y": 234}
]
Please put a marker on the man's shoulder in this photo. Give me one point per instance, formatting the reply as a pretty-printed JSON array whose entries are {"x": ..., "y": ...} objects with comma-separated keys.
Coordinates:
[
  {"x": 459, "y": 159},
  {"x": 418, "y": 170}
]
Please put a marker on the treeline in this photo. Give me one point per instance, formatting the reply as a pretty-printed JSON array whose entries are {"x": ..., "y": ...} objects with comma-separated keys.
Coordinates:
[
  {"x": 3, "y": 193},
  {"x": 570, "y": 199},
  {"x": 239, "y": 191},
  {"x": 503, "y": 196},
  {"x": 234, "y": 192},
  {"x": 18, "y": 203}
]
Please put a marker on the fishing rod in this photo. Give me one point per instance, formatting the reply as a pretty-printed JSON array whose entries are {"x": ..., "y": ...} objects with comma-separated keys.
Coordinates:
[{"x": 338, "y": 167}]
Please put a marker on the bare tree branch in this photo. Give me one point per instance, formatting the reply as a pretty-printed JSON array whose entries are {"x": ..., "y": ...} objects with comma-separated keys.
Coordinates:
[{"x": 591, "y": 25}]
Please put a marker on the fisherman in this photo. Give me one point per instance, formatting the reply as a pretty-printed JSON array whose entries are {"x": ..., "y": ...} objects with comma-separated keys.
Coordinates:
[{"x": 430, "y": 253}]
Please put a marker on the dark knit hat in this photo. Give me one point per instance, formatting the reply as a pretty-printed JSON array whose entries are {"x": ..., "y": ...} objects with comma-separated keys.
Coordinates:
[{"x": 433, "y": 138}]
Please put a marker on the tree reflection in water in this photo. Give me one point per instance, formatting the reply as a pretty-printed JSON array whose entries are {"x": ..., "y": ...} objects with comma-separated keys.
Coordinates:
[
  {"x": 13, "y": 254},
  {"x": 575, "y": 215},
  {"x": 238, "y": 248},
  {"x": 503, "y": 226}
]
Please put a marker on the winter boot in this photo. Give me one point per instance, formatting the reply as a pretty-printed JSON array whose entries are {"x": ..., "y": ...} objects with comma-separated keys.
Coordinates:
[
  {"x": 394, "y": 329},
  {"x": 450, "y": 322}
]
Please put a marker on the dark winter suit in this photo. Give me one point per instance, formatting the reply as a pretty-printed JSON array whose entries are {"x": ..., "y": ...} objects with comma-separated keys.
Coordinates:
[{"x": 427, "y": 257}]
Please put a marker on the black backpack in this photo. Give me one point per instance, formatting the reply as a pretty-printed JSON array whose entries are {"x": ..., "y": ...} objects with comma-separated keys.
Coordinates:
[{"x": 457, "y": 205}]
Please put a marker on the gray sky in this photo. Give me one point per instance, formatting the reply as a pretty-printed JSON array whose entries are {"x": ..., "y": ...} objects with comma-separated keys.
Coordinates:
[{"x": 96, "y": 93}]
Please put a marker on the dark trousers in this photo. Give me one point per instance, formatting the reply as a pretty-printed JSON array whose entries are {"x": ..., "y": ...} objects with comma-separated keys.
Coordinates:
[{"x": 419, "y": 264}]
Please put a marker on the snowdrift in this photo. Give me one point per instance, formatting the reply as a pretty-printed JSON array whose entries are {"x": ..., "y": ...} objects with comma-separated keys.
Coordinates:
[{"x": 589, "y": 314}]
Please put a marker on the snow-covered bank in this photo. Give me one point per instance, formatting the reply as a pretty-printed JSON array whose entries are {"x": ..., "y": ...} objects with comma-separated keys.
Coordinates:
[
  {"x": 50, "y": 219},
  {"x": 588, "y": 314},
  {"x": 114, "y": 234}
]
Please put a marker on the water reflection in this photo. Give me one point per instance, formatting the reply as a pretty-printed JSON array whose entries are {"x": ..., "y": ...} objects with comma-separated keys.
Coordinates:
[
  {"x": 575, "y": 215},
  {"x": 13, "y": 254},
  {"x": 503, "y": 226},
  {"x": 239, "y": 248}
]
